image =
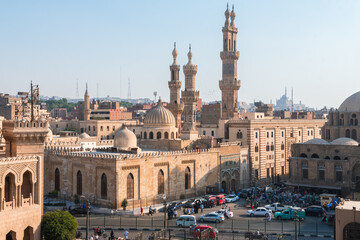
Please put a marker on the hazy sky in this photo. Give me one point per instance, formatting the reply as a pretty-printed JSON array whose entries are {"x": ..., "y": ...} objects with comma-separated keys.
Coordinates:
[{"x": 313, "y": 46}]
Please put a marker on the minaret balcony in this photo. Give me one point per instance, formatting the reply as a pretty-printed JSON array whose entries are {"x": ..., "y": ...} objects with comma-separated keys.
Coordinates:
[
  {"x": 229, "y": 55},
  {"x": 229, "y": 85}
]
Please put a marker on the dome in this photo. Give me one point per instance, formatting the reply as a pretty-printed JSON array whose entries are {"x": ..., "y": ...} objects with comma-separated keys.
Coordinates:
[
  {"x": 84, "y": 135},
  {"x": 125, "y": 139},
  {"x": 345, "y": 141},
  {"x": 159, "y": 116},
  {"x": 351, "y": 104},
  {"x": 317, "y": 141}
]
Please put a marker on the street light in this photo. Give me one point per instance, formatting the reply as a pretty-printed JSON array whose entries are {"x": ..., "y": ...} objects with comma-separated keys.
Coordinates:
[
  {"x": 87, "y": 206},
  {"x": 164, "y": 198}
]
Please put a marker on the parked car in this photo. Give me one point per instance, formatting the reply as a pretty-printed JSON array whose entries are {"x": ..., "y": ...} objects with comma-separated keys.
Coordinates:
[
  {"x": 77, "y": 211},
  {"x": 260, "y": 211},
  {"x": 245, "y": 193},
  {"x": 226, "y": 213},
  {"x": 205, "y": 231},
  {"x": 220, "y": 199},
  {"x": 209, "y": 203},
  {"x": 290, "y": 213},
  {"x": 314, "y": 210},
  {"x": 211, "y": 217},
  {"x": 231, "y": 198},
  {"x": 186, "y": 221},
  {"x": 276, "y": 207}
]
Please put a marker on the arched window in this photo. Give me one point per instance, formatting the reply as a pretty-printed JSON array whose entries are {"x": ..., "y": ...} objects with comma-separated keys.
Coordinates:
[
  {"x": 347, "y": 133},
  {"x": 327, "y": 157},
  {"x": 11, "y": 235},
  {"x": 158, "y": 135},
  {"x": 130, "y": 186},
  {"x": 187, "y": 178},
  {"x": 351, "y": 122},
  {"x": 256, "y": 148},
  {"x": 79, "y": 183},
  {"x": 27, "y": 184},
  {"x": 172, "y": 75},
  {"x": 356, "y": 122},
  {"x": 10, "y": 187},
  {"x": 145, "y": 135},
  {"x": 337, "y": 158},
  {"x": 314, "y": 156},
  {"x": 239, "y": 135},
  {"x": 351, "y": 231},
  {"x": 161, "y": 185},
  {"x": 151, "y": 135},
  {"x": 172, "y": 135},
  {"x": 303, "y": 155},
  {"x": 57, "y": 179},
  {"x": 28, "y": 233},
  {"x": 166, "y": 135},
  {"x": 103, "y": 186},
  {"x": 354, "y": 134}
]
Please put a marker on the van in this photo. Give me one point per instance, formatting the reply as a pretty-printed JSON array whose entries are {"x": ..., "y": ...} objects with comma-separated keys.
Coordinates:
[
  {"x": 326, "y": 198},
  {"x": 186, "y": 221}
]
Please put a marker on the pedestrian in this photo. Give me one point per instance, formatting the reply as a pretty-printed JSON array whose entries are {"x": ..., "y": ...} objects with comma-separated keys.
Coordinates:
[
  {"x": 175, "y": 213},
  {"x": 112, "y": 235},
  {"x": 126, "y": 234},
  {"x": 269, "y": 217},
  {"x": 150, "y": 211},
  {"x": 141, "y": 211},
  {"x": 229, "y": 208},
  {"x": 91, "y": 238},
  {"x": 202, "y": 207},
  {"x": 96, "y": 236}
]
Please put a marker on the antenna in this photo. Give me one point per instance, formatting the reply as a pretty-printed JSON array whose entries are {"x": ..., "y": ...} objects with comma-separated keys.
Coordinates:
[
  {"x": 97, "y": 91},
  {"x": 155, "y": 94},
  {"x": 129, "y": 89},
  {"x": 77, "y": 88}
]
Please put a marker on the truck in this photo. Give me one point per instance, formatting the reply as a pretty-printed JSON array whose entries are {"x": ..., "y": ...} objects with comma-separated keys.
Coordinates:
[
  {"x": 290, "y": 213},
  {"x": 276, "y": 207}
]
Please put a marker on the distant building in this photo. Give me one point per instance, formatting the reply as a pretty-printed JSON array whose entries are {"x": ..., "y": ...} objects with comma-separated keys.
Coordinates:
[
  {"x": 110, "y": 114},
  {"x": 210, "y": 114},
  {"x": 302, "y": 115},
  {"x": 267, "y": 109},
  {"x": 59, "y": 113}
]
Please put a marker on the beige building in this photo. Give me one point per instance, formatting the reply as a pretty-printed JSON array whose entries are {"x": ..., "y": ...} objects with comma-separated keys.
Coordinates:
[
  {"x": 21, "y": 180},
  {"x": 347, "y": 221}
]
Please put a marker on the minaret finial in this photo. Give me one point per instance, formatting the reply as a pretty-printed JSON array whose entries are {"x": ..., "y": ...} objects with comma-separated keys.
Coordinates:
[
  {"x": 174, "y": 53},
  {"x": 190, "y": 47},
  {"x": 174, "y": 44},
  {"x": 227, "y": 6},
  {"x": 190, "y": 55},
  {"x": 233, "y": 7}
]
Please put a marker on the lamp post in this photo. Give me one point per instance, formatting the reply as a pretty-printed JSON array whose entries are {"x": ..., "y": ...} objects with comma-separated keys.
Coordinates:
[
  {"x": 164, "y": 198},
  {"x": 87, "y": 206},
  {"x": 296, "y": 220}
]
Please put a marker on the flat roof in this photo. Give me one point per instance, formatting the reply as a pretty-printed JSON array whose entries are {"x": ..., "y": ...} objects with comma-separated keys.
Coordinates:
[{"x": 348, "y": 205}]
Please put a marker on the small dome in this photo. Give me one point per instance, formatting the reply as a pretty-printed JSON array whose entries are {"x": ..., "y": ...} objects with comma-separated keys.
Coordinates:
[
  {"x": 159, "y": 116},
  {"x": 317, "y": 141},
  {"x": 345, "y": 141},
  {"x": 351, "y": 104},
  {"x": 125, "y": 139},
  {"x": 84, "y": 135}
]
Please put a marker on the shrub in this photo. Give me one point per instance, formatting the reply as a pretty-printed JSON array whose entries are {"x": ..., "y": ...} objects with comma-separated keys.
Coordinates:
[
  {"x": 59, "y": 225},
  {"x": 124, "y": 204},
  {"x": 53, "y": 194}
]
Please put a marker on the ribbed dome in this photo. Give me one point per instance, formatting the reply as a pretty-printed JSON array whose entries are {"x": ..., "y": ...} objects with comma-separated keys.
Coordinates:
[
  {"x": 159, "y": 116},
  {"x": 125, "y": 139},
  {"x": 345, "y": 141},
  {"x": 317, "y": 141},
  {"x": 84, "y": 135},
  {"x": 351, "y": 104}
]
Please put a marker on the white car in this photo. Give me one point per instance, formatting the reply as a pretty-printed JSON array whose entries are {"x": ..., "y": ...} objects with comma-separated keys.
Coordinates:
[
  {"x": 276, "y": 207},
  {"x": 260, "y": 211},
  {"x": 231, "y": 198},
  {"x": 226, "y": 213}
]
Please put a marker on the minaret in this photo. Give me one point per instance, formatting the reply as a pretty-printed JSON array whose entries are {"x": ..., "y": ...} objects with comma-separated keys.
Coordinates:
[
  {"x": 175, "y": 105},
  {"x": 86, "y": 107},
  {"x": 190, "y": 97},
  {"x": 229, "y": 85}
]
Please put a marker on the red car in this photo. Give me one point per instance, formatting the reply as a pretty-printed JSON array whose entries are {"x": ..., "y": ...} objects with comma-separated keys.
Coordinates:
[
  {"x": 220, "y": 199},
  {"x": 205, "y": 231}
]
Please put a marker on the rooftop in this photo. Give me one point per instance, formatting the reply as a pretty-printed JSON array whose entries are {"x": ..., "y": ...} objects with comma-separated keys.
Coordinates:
[{"x": 348, "y": 205}]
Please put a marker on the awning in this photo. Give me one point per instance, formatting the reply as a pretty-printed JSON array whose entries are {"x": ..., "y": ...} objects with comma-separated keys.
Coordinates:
[{"x": 312, "y": 186}]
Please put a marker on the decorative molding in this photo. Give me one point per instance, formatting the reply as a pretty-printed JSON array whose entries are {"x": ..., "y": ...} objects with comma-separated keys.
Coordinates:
[
  {"x": 130, "y": 167},
  {"x": 161, "y": 164}
]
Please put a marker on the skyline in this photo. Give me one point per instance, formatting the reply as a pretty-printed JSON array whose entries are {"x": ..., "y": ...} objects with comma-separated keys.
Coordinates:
[{"x": 54, "y": 44}]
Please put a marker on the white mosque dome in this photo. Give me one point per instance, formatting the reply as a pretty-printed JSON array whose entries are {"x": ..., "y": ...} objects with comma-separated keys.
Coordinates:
[
  {"x": 351, "y": 104},
  {"x": 84, "y": 135},
  {"x": 345, "y": 141},
  {"x": 125, "y": 139},
  {"x": 159, "y": 116},
  {"x": 317, "y": 141}
]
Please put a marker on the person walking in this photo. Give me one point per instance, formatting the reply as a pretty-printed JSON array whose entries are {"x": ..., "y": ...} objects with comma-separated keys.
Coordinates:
[
  {"x": 141, "y": 211},
  {"x": 150, "y": 211},
  {"x": 202, "y": 207},
  {"x": 126, "y": 234},
  {"x": 269, "y": 217}
]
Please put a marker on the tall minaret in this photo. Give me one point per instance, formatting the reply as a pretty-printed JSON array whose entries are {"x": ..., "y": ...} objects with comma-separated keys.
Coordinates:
[
  {"x": 190, "y": 97},
  {"x": 175, "y": 105},
  {"x": 86, "y": 107},
  {"x": 229, "y": 85}
]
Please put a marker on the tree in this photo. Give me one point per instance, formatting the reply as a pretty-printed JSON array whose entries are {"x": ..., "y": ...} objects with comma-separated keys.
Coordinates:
[
  {"x": 59, "y": 225},
  {"x": 124, "y": 203}
]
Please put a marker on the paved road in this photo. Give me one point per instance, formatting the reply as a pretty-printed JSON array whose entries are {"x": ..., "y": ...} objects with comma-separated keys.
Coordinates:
[{"x": 240, "y": 222}]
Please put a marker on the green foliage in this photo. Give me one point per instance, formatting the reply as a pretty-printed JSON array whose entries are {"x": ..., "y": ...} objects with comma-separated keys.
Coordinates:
[
  {"x": 124, "y": 203},
  {"x": 125, "y": 104},
  {"x": 53, "y": 194},
  {"x": 59, "y": 225},
  {"x": 62, "y": 103},
  {"x": 76, "y": 199}
]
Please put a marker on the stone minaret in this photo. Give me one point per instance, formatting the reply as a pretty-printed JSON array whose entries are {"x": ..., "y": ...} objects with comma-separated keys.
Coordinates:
[
  {"x": 175, "y": 105},
  {"x": 190, "y": 97},
  {"x": 229, "y": 85},
  {"x": 86, "y": 107}
]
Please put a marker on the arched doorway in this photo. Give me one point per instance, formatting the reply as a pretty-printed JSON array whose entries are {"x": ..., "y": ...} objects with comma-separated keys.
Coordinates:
[
  {"x": 103, "y": 186},
  {"x": 232, "y": 185},
  {"x": 223, "y": 185},
  {"x": 227, "y": 179},
  {"x": 57, "y": 179},
  {"x": 10, "y": 187},
  {"x": 26, "y": 187},
  {"x": 187, "y": 178},
  {"x": 351, "y": 231},
  {"x": 28, "y": 233},
  {"x": 79, "y": 183},
  {"x": 130, "y": 186},
  {"x": 11, "y": 235},
  {"x": 161, "y": 184}
]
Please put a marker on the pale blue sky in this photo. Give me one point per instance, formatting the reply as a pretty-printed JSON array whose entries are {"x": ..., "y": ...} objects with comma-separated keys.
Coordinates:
[{"x": 313, "y": 46}]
